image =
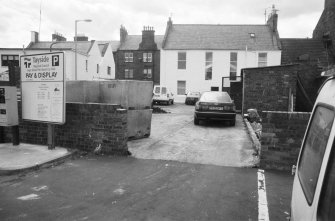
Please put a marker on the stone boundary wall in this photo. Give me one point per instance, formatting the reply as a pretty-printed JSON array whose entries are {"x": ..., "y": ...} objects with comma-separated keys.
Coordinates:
[
  {"x": 87, "y": 127},
  {"x": 282, "y": 137}
]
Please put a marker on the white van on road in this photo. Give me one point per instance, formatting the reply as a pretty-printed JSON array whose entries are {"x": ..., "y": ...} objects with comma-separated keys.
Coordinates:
[{"x": 313, "y": 194}]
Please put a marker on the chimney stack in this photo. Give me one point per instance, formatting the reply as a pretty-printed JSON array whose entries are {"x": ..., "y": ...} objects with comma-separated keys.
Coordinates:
[
  {"x": 80, "y": 37},
  {"x": 58, "y": 37},
  {"x": 34, "y": 37},
  {"x": 123, "y": 34},
  {"x": 148, "y": 39},
  {"x": 273, "y": 19}
]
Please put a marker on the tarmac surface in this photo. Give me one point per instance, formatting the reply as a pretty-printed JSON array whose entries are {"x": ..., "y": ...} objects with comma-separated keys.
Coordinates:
[{"x": 126, "y": 188}]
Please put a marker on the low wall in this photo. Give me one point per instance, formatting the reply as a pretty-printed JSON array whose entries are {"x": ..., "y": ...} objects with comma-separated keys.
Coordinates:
[
  {"x": 281, "y": 140},
  {"x": 87, "y": 127}
]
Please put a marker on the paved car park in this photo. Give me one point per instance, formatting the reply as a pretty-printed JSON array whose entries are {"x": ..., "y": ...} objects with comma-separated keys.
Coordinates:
[
  {"x": 201, "y": 178},
  {"x": 175, "y": 137}
]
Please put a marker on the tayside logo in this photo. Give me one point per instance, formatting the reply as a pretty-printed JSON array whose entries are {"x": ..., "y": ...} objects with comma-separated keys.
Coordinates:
[{"x": 27, "y": 62}]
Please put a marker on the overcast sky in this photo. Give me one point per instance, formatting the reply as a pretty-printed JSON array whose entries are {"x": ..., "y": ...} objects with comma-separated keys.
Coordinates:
[{"x": 297, "y": 18}]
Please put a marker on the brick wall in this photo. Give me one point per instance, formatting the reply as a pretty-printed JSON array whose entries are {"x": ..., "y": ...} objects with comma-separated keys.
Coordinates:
[
  {"x": 268, "y": 88},
  {"x": 87, "y": 126},
  {"x": 281, "y": 138},
  {"x": 326, "y": 24}
]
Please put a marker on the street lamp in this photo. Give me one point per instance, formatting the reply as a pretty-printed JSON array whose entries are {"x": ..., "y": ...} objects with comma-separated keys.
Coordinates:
[{"x": 75, "y": 45}]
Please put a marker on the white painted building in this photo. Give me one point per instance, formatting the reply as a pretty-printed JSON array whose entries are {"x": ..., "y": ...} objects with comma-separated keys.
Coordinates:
[
  {"x": 208, "y": 57},
  {"x": 95, "y": 59}
]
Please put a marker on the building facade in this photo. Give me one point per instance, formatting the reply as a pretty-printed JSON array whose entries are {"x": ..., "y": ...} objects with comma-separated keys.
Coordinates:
[
  {"x": 138, "y": 57},
  {"x": 210, "y": 57},
  {"x": 95, "y": 59}
]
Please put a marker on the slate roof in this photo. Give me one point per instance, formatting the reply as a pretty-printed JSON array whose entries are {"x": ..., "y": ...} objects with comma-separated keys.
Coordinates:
[
  {"x": 295, "y": 50},
  {"x": 220, "y": 37},
  {"x": 103, "y": 45},
  {"x": 132, "y": 42},
  {"x": 83, "y": 47}
]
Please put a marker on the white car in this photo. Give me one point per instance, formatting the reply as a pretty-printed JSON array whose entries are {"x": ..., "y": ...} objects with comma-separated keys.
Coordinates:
[
  {"x": 313, "y": 194},
  {"x": 162, "y": 94}
]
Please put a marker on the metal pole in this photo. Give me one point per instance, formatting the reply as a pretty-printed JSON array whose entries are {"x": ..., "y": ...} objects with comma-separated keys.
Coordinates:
[
  {"x": 51, "y": 136},
  {"x": 75, "y": 51}
]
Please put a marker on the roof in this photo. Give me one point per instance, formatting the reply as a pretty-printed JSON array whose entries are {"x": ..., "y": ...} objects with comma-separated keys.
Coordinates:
[
  {"x": 220, "y": 37},
  {"x": 82, "y": 46},
  {"x": 132, "y": 42},
  {"x": 302, "y": 49},
  {"x": 103, "y": 45}
]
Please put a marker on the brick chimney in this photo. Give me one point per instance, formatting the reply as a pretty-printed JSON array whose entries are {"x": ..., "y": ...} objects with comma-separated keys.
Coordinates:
[
  {"x": 34, "y": 37},
  {"x": 58, "y": 37},
  {"x": 273, "y": 19},
  {"x": 148, "y": 39},
  {"x": 123, "y": 34},
  {"x": 80, "y": 37}
]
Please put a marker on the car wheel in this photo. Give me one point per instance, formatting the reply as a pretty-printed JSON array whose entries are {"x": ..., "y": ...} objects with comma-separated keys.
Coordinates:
[
  {"x": 172, "y": 102},
  {"x": 196, "y": 121}
]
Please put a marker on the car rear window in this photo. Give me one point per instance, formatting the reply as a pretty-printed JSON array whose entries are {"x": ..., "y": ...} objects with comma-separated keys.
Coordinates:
[
  {"x": 163, "y": 90},
  {"x": 157, "y": 90},
  {"x": 313, "y": 150},
  {"x": 215, "y": 97},
  {"x": 194, "y": 94}
]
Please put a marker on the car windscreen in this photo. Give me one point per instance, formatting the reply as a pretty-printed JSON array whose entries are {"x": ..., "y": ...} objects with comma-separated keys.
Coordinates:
[
  {"x": 163, "y": 90},
  {"x": 215, "y": 97}
]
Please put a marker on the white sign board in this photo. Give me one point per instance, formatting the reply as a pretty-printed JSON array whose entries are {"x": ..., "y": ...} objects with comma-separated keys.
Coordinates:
[{"x": 43, "y": 87}]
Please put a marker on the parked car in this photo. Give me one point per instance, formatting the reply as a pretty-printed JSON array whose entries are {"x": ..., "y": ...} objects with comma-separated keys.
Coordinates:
[
  {"x": 192, "y": 97},
  {"x": 214, "y": 105},
  {"x": 162, "y": 95},
  {"x": 313, "y": 193}
]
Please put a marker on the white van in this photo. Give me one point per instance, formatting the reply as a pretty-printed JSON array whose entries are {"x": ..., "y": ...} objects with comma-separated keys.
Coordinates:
[
  {"x": 162, "y": 95},
  {"x": 313, "y": 194}
]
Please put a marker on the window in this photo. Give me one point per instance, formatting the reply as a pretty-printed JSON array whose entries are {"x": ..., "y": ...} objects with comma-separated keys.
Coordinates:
[
  {"x": 262, "y": 59},
  {"x": 147, "y": 73},
  {"x": 128, "y": 57},
  {"x": 147, "y": 57},
  {"x": 181, "y": 60},
  {"x": 98, "y": 68},
  {"x": 128, "y": 73},
  {"x": 7, "y": 59},
  {"x": 109, "y": 70},
  {"x": 313, "y": 150},
  {"x": 86, "y": 65},
  {"x": 209, "y": 65},
  {"x": 327, "y": 198},
  {"x": 181, "y": 87},
  {"x": 233, "y": 66}
]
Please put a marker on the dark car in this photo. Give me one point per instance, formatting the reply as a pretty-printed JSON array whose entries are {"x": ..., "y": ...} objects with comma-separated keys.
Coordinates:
[
  {"x": 214, "y": 105},
  {"x": 192, "y": 97}
]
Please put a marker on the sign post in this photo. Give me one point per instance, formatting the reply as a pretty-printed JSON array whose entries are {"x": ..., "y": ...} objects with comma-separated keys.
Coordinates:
[{"x": 43, "y": 90}]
